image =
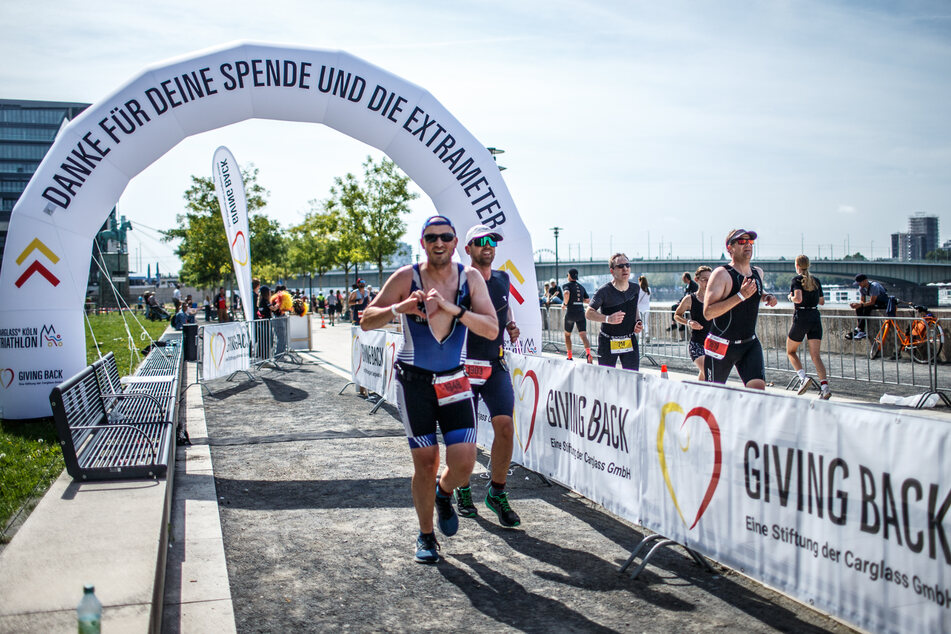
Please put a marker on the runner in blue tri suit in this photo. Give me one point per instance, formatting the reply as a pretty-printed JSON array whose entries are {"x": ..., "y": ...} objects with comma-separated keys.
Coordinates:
[
  {"x": 490, "y": 378},
  {"x": 731, "y": 304},
  {"x": 438, "y": 302}
]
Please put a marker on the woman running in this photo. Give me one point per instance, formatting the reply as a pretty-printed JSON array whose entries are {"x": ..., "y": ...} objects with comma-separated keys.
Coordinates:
[
  {"x": 644, "y": 305},
  {"x": 696, "y": 324},
  {"x": 806, "y": 293}
]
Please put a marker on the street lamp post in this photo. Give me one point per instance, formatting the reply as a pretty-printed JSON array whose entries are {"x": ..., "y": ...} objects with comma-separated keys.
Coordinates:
[{"x": 556, "y": 230}]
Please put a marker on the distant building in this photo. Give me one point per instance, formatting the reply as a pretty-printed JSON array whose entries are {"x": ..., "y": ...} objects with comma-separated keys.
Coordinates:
[
  {"x": 920, "y": 240},
  {"x": 27, "y": 131}
]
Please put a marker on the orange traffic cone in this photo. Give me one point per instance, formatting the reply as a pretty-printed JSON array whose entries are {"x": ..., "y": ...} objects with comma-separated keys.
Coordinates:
[{"x": 322, "y": 324}]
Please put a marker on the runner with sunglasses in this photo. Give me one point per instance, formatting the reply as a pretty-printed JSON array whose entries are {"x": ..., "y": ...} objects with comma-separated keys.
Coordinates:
[
  {"x": 438, "y": 303},
  {"x": 490, "y": 378},
  {"x": 731, "y": 304},
  {"x": 614, "y": 306}
]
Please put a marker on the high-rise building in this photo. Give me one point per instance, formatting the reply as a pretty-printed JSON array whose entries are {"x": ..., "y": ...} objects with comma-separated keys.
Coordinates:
[
  {"x": 926, "y": 226},
  {"x": 27, "y": 131}
]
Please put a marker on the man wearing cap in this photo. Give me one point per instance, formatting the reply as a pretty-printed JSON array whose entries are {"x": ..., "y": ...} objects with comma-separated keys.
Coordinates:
[
  {"x": 872, "y": 295},
  {"x": 731, "y": 304},
  {"x": 614, "y": 305},
  {"x": 438, "y": 303},
  {"x": 490, "y": 378},
  {"x": 575, "y": 299},
  {"x": 359, "y": 299},
  {"x": 554, "y": 294}
]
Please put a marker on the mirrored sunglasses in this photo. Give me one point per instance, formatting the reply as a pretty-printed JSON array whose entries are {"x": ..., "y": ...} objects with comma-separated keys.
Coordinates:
[
  {"x": 484, "y": 241},
  {"x": 744, "y": 241},
  {"x": 445, "y": 237}
]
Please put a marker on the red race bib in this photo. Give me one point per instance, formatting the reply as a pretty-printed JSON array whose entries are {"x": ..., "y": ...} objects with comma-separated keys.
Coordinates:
[
  {"x": 478, "y": 371},
  {"x": 715, "y": 347},
  {"x": 451, "y": 388}
]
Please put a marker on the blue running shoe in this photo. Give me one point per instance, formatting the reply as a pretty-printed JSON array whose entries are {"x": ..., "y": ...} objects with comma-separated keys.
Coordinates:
[
  {"x": 448, "y": 521},
  {"x": 427, "y": 549}
]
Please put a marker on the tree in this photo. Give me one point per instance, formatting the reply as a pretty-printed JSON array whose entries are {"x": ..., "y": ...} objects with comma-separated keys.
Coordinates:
[
  {"x": 938, "y": 255},
  {"x": 856, "y": 256},
  {"x": 370, "y": 214},
  {"x": 203, "y": 247},
  {"x": 312, "y": 245},
  {"x": 386, "y": 198}
]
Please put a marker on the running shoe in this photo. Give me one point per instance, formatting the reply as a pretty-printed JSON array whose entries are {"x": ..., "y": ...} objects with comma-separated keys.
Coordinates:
[
  {"x": 860, "y": 335},
  {"x": 446, "y": 514},
  {"x": 500, "y": 505},
  {"x": 826, "y": 394},
  {"x": 804, "y": 385},
  {"x": 464, "y": 502},
  {"x": 589, "y": 357},
  {"x": 569, "y": 356},
  {"x": 427, "y": 549}
]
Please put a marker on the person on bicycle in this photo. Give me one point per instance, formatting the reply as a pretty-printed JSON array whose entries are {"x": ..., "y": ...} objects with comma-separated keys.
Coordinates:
[
  {"x": 873, "y": 295},
  {"x": 806, "y": 294}
]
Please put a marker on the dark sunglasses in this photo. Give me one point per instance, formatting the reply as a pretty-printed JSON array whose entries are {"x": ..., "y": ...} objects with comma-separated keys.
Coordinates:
[
  {"x": 626, "y": 265},
  {"x": 484, "y": 241},
  {"x": 743, "y": 241},
  {"x": 445, "y": 237}
]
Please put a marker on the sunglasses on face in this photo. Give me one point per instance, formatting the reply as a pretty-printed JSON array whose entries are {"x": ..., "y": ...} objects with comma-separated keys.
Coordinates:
[
  {"x": 484, "y": 241},
  {"x": 743, "y": 241},
  {"x": 625, "y": 265},
  {"x": 445, "y": 237}
]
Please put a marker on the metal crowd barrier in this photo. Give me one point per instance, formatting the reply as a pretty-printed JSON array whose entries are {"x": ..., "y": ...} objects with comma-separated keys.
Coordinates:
[{"x": 925, "y": 365}]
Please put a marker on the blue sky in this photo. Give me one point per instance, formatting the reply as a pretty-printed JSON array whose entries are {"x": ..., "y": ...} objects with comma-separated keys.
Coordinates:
[{"x": 823, "y": 124}]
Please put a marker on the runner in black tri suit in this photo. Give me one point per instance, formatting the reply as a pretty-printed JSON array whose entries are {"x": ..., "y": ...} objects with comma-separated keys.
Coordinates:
[
  {"x": 490, "y": 378},
  {"x": 805, "y": 293},
  {"x": 438, "y": 303},
  {"x": 697, "y": 325},
  {"x": 733, "y": 295},
  {"x": 617, "y": 301},
  {"x": 575, "y": 299}
]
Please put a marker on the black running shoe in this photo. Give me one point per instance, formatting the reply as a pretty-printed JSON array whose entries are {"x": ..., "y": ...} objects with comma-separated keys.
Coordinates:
[
  {"x": 464, "y": 502},
  {"x": 448, "y": 521},
  {"x": 427, "y": 549},
  {"x": 500, "y": 504}
]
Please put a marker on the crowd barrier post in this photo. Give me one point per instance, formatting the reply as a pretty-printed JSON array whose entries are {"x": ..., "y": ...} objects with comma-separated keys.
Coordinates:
[
  {"x": 236, "y": 362},
  {"x": 280, "y": 326},
  {"x": 661, "y": 542}
]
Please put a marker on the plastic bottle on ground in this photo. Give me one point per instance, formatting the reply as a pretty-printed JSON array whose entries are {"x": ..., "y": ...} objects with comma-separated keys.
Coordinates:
[{"x": 89, "y": 611}]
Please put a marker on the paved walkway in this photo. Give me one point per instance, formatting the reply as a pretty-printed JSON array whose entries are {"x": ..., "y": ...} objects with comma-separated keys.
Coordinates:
[{"x": 319, "y": 531}]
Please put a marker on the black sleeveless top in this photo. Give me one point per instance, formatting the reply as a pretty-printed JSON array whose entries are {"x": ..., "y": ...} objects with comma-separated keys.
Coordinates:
[
  {"x": 696, "y": 314},
  {"x": 489, "y": 349},
  {"x": 740, "y": 321},
  {"x": 810, "y": 299}
]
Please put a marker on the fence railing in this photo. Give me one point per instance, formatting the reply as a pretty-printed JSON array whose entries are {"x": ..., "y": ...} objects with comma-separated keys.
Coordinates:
[{"x": 892, "y": 355}]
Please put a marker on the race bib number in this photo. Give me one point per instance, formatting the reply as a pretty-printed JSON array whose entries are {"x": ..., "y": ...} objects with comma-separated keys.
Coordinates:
[
  {"x": 715, "y": 347},
  {"x": 620, "y": 345},
  {"x": 451, "y": 388},
  {"x": 478, "y": 371}
]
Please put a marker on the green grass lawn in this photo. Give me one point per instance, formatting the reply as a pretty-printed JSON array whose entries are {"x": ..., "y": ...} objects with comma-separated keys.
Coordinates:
[{"x": 30, "y": 457}]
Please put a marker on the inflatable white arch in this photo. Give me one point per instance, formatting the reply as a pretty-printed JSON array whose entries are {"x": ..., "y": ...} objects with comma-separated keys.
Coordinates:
[{"x": 47, "y": 254}]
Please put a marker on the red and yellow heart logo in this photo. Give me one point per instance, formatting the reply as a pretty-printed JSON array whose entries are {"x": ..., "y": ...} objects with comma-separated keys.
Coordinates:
[
  {"x": 522, "y": 381},
  {"x": 355, "y": 353},
  {"x": 390, "y": 365},
  {"x": 707, "y": 416},
  {"x": 239, "y": 248},
  {"x": 6, "y": 377},
  {"x": 217, "y": 347}
]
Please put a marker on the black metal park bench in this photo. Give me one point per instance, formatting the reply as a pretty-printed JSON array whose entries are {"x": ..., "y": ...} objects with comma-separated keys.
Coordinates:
[{"x": 114, "y": 434}]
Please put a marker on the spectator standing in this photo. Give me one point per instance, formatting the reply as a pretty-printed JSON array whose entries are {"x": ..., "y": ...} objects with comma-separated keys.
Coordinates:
[
  {"x": 332, "y": 304},
  {"x": 359, "y": 299},
  {"x": 221, "y": 305},
  {"x": 177, "y": 293},
  {"x": 644, "y": 304},
  {"x": 207, "y": 306},
  {"x": 872, "y": 295}
]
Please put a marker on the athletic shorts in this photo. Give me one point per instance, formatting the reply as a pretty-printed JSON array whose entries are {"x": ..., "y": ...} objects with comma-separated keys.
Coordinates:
[
  {"x": 803, "y": 327},
  {"x": 695, "y": 349},
  {"x": 629, "y": 360},
  {"x": 416, "y": 399},
  {"x": 497, "y": 392},
  {"x": 746, "y": 357},
  {"x": 331, "y": 309},
  {"x": 573, "y": 320}
]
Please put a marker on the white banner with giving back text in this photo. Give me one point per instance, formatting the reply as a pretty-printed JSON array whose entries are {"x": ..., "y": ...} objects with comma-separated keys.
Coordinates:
[
  {"x": 844, "y": 507},
  {"x": 372, "y": 359},
  {"x": 225, "y": 349}
]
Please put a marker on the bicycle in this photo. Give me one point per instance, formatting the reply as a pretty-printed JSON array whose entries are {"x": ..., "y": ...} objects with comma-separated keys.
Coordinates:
[{"x": 923, "y": 339}]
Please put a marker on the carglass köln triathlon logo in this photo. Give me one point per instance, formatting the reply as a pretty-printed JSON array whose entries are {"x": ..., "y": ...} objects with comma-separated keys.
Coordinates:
[
  {"x": 707, "y": 416},
  {"x": 50, "y": 337}
]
